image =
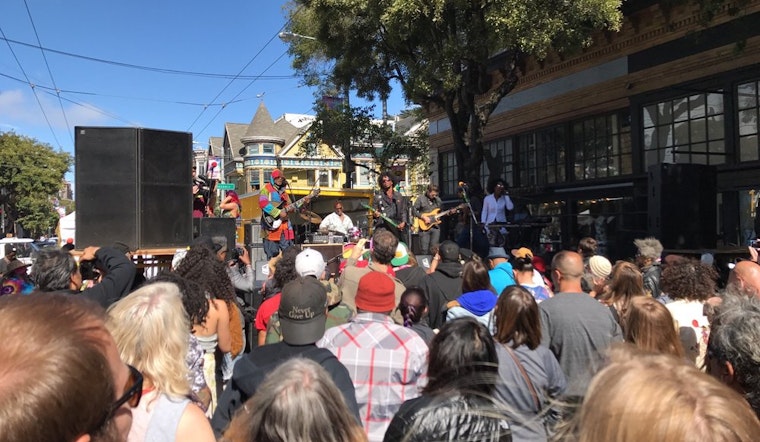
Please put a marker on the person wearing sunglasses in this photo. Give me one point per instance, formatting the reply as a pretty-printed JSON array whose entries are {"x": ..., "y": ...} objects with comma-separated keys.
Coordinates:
[
  {"x": 150, "y": 329},
  {"x": 61, "y": 377}
]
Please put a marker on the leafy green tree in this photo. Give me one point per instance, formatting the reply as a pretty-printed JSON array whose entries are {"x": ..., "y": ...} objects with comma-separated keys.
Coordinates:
[
  {"x": 31, "y": 174},
  {"x": 458, "y": 56},
  {"x": 368, "y": 137}
]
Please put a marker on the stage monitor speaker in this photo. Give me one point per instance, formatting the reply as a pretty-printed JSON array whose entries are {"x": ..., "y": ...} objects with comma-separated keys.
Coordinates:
[
  {"x": 212, "y": 227},
  {"x": 682, "y": 204},
  {"x": 133, "y": 186}
]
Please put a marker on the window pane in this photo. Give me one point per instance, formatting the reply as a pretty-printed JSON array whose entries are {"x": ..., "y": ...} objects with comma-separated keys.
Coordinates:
[
  {"x": 747, "y": 94},
  {"x": 699, "y": 147},
  {"x": 748, "y": 148},
  {"x": 681, "y": 109},
  {"x": 649, "y": 138},
  {"x": 714, "y": 104},
  {"x": 665, "y": 114},
  {"x": 716, "y": 127},
  {"x": 699, "y": 159},
  {"x": 717, "y": 159},
  {"x": 698, "y": 130},
  {"x": 650, "y": 115},
  {"x": 748, "y": 122},
  {"x": 717, "y": 147},
  {"x": 697, "y": 106},
  {"x": 681, "y": 132}
]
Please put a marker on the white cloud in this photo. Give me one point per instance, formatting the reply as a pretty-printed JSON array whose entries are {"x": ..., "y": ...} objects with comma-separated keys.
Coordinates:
[{"x": 20, "y": 108}]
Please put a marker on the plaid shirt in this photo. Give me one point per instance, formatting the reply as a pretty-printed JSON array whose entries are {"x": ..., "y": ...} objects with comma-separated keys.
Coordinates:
[{"x": 387, "y": 363}]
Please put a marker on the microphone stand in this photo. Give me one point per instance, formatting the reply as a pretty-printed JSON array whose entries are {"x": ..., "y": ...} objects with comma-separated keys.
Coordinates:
[
  {"x": 292, "y": 227},
  {"x": 472, "y": 212}
]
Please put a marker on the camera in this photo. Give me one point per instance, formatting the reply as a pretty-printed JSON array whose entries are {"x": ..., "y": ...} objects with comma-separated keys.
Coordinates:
[
  {"x": 233, "y": 256},
  {"x": 91, "y": 269}
]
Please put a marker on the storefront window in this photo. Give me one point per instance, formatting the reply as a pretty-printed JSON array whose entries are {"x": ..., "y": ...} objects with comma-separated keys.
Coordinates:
[
  {"x": 550, "y": 239},
  {"x": 689, "y": 129},
  {"x": 602, "y": 147},
  {"x": 604, "y": 219},
  {"x": 498, "y": 156},
  {"x": 542, "y": 156},
  {"x": 447, "y": 162},
  {"x": 749, "y": 223},
  {"x": 747, "y": 120}
]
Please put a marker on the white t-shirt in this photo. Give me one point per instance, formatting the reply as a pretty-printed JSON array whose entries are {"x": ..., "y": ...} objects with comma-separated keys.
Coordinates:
[{"x": 692, "y": 327}]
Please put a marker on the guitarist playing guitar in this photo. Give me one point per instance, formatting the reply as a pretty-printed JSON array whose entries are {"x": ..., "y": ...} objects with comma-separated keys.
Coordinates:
[
  {"x": 425, "y": 204},
  {"x": 392, "y": 205},
  {"x": 274, "y": 202}
]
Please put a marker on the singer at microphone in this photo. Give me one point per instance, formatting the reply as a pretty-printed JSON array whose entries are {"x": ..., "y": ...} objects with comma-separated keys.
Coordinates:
[
  {"x": 273, "y": 201},
  {"x": 390, "y": 207}
]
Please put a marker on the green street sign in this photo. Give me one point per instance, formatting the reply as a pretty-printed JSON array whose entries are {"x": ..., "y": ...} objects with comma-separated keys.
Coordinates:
[{"x": 225, "y": 186}]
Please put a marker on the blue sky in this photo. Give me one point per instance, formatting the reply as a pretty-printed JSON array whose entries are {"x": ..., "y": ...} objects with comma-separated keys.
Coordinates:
[{"x": 188, "y": 36}]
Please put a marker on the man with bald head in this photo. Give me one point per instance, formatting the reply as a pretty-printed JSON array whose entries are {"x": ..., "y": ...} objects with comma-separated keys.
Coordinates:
[
  {"x": 745, "y": 277},
  {"x": 575, "y": 327}
]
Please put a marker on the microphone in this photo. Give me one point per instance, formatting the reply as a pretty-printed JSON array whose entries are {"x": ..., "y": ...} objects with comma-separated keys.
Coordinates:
[{"x": 463, "y": 185}]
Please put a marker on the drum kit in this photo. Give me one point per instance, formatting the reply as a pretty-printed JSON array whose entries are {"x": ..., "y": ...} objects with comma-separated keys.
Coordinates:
[{"x": 309, "y": 221}]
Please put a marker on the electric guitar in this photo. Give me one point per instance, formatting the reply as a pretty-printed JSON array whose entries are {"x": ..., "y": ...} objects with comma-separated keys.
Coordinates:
[
  {"x": 382, "y": 215},
  {"x": 270, "y": 222},
  {"x": 436, "y": 216}
]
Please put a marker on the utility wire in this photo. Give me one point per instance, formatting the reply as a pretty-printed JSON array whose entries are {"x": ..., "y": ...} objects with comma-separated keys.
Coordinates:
[
  {"x": 233, "y": 98},
  {"x": 34, "y": 91},
  {"x": 50, "y": 72},
  {"x": 150, "y": 68}
]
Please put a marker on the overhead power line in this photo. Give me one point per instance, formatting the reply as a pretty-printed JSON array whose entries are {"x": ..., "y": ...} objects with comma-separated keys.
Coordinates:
[
  {"x": 151, "y": 68},
  {"x": 34, "y": 91},
  {"x": 50, "y": 72}
]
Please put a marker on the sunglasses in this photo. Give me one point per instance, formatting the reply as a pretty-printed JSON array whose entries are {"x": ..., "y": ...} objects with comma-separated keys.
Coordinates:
[
  {"x": 338, "y": 208},
  {"x": 133, "y": 390}
]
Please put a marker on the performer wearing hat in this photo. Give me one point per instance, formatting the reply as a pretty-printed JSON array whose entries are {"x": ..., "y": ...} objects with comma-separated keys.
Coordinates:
[{"x": 276, "y": 231}]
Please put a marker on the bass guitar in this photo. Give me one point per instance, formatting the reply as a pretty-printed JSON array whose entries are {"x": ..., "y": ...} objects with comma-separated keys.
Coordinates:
[
  {"x": 435, "y": 216},
  {"x": 382, "y": 215},
  {"x": 270, "y": 222}
]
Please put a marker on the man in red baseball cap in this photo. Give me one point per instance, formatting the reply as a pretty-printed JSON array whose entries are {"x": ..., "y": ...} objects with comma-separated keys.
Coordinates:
[{"x": 387, "y": 362}]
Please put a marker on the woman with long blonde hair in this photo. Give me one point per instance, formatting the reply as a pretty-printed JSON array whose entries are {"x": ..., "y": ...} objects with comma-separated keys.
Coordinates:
[
  {"x": 298, "y": 401},
  {"x": 654, "y": 397},
  {"x": 150, "y": 329}
]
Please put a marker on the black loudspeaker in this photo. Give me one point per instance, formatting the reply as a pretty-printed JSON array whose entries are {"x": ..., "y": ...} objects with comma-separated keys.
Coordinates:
[
  {"x": 133, "y": 186},
  {"x": 212, "y": 227},
  {"x": 682, "y": 204}
]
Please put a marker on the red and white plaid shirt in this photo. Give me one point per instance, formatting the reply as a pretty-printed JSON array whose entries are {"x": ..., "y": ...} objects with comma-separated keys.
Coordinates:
[{"x": 387, "y": 363}]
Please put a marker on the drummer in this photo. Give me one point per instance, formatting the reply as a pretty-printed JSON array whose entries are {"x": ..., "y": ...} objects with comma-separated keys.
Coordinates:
[{"x": 337, "y": 221}]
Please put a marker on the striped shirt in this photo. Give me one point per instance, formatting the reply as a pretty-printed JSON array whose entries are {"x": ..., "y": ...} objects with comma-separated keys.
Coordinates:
[{"x": 387, "y": 363}]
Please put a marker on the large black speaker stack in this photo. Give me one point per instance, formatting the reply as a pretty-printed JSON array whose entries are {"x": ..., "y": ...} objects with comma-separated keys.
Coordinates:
[
  {"x": 134, "y": 186},
  {"x": 683, "y": 205}
]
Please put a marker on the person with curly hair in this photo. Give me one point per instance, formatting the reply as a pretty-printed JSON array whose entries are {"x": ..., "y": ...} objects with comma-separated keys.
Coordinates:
[
  {"x": 285, "y": 271},
  {"x": 209, "y": 330},
  {"x": 202, "y": 266},
  {"x": 689, "y": 283},
  {"x": 648, "y": 254}
]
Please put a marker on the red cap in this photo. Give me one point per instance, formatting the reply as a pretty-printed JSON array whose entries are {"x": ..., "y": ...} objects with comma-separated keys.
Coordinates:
[
  {"x": 376, "y": 293},
  {"x": 276, "y": 173}
]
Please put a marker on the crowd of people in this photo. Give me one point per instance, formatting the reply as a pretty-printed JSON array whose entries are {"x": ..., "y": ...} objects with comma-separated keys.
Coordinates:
[{"x": 471, "y": 349}]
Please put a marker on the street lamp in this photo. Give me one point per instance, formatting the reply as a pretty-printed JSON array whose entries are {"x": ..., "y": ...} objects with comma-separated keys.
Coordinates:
[{"x": 288, "y": 37}]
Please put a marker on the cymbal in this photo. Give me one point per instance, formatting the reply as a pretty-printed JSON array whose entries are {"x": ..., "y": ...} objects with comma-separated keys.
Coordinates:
[{"x": 310, "y": 217}]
